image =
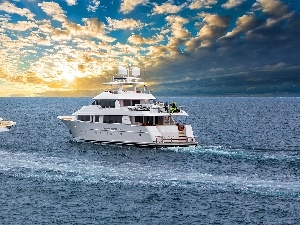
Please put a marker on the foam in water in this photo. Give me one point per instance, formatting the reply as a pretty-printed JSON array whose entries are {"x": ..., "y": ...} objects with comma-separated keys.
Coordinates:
[
  {"x": 239, "y": 153},
  {"x": 32, "y": 165},
  {"x": 2, "y": 129}
]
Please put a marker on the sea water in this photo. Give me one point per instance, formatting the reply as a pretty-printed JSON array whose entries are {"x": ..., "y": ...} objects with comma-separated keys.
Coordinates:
[{"x": 245, "y": 170}]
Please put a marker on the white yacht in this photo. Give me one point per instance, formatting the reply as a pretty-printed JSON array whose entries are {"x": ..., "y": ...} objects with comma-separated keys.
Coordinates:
[
  {"x": 129, "y": 117},
  {"x": 6, "y": 125}
]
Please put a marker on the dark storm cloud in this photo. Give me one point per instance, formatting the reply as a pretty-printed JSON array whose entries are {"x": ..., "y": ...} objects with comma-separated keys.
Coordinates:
[
  {"x": 249, "y": 83},
  {"x": 260, "y": 56}
]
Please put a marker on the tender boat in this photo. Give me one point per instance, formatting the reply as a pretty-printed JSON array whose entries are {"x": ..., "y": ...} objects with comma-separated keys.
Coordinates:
[
  {"x": 129, "y": 117},
  {"x": 6, "y": 125}
]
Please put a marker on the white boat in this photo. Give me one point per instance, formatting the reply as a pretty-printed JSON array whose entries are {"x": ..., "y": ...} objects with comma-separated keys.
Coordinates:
[
  {"x": 6, "y": 125},
  {"x": 129, "y": 117}
]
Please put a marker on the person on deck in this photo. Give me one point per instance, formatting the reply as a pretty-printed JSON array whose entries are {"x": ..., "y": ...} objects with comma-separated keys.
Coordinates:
[{"x": 174, "y": 107}]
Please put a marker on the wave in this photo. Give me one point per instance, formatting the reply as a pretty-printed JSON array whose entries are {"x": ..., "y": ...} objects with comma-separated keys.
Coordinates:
[
  {"x": 251, "y": 154},
  {"x": 35, "y": 166},
  {"x": 2, "y": 129}
]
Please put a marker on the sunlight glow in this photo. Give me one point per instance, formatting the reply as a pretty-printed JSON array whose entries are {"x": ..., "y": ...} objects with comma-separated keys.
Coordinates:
[{"x": 69, "y": 73}]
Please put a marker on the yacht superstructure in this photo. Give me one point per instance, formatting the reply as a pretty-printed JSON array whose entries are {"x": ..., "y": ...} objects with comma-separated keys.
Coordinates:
[{"x": 130, "y": 117}]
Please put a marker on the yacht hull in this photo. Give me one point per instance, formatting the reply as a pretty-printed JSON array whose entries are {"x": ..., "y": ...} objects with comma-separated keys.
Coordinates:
[
  {"x": 6, "y": 125},
  {"x": 126, "y": 134}
]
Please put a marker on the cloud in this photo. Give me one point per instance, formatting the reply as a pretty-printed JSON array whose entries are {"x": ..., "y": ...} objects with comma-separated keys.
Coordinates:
[
  {"x": 53, "y": 9},
  {"x": 92, "y": 28},
  {"x": 93, "y": 25},
  {"x": 232, "y": 3},
  {"x": 255, "y": 49},
  {"x": 51, "y": 33},
  {"x": 216, "y": 70},
  {"x": 123, "y": 24},
  {"x": 244, "y": 23},
  {"x": 274, "y": 26},
  {"x": 19, "y": 26},
  {"x": 158, "y": 53},
  {"x": 273, "y": 8},
  {"x": 93, "y": 6},
  {"x": 68, "y": 54},
  {"x": 12, "y": 9},
  {"x": 276, "y": 67},
  {"x": 137, "y": 40},
  {"x": 84, "y": 73},
  {"x": 198, "y": 4},
  {"x": 242, "y": 80},
  {"x": 26, "y": 78},
  {"x": 167, "y": 8},
  {"x": 128, "y": 5},
  {"x": 214, "y": 27},
  {"x": 179, "y": 34},
  {"x": 176, "y": 23},
  {"x": 216, "y": 20},
  {"x": 71, "y": 2}
]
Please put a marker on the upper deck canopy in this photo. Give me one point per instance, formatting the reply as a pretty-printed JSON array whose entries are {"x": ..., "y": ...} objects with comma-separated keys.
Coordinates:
[
  {"x": 125, "y": 81},
  {"x": 124, "y": 78},
  {"x": 130, "y": 95}
]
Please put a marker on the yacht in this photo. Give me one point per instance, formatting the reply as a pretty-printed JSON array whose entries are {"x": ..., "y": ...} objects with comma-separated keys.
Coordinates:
[
  {"x": 6, "y": 125},
  {"x": 129, "y": 116}
]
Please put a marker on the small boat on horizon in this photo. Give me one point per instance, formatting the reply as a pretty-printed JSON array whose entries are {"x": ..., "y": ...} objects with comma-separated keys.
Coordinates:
[
  {"x": 5, "y": 125},
  {"x": 129, "y": 117}
]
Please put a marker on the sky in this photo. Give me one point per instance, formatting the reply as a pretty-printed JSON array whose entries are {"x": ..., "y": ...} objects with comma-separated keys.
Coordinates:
[{"x": 184, "y": 48}]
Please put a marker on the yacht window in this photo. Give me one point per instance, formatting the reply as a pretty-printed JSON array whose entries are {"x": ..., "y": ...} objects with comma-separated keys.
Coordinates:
[
  {"x": 83, "y": 118},
  {"x": 96, "y": 102},
  {"x": 97, "y": 118},
  {"x": 127, "y": 102},
  {"x": 106, "y": 103},
  {"x": 112, "y": 119},
  {"x": 148, "y": 119},
  {"x": 135, "y": 102},
  {"x": 156, "y": 120},
  {"x": 139, "y": 119}
]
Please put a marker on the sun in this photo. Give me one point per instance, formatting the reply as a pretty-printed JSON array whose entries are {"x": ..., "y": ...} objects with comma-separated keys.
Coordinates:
[
  {"x": 67, "y": 76},
  {"x": 68, "y": 73}
]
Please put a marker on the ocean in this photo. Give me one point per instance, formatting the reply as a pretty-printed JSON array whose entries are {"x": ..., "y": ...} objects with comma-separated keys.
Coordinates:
[{"x": 245, "y": 170}]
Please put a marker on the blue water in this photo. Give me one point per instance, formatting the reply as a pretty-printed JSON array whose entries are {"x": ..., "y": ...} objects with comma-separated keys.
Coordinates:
[{"x": 246, "y": 169}]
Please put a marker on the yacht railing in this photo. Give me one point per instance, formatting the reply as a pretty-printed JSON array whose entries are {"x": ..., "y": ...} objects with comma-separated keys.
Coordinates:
[
  {"x": 127, "y": 91},
  {"x": 66, "y": 117},
  {"x": 155, "y": 108},
  {"x": 140, "y": 107}
]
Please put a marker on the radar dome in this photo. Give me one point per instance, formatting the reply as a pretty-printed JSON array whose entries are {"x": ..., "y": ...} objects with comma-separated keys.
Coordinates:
[
  {"x": 122, "y": 71},
  {"x": 136, "y": 71}
]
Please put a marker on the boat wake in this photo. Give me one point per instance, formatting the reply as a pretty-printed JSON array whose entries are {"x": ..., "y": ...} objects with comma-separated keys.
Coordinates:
[
  {"x": 35, "y": 166},
  {"x": 2, "y": 129},
  {"x": 238, "y": 153}
]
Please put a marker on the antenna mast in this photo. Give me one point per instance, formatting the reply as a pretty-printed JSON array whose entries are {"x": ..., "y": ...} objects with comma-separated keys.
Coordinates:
[{"x": 144, "y": 72}]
